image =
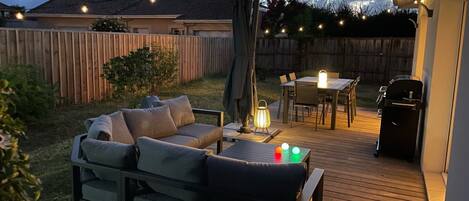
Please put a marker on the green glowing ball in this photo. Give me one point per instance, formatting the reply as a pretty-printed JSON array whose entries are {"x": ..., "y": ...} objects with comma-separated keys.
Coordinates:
[{"x": 295, "y": 150}]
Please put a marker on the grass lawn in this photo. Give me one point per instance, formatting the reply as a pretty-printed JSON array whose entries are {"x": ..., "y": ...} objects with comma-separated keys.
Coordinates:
[{"x": 49, "y": 139}]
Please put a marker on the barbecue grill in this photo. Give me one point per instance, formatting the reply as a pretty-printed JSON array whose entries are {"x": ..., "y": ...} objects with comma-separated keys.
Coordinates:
[{"x": 399, "y": 105}]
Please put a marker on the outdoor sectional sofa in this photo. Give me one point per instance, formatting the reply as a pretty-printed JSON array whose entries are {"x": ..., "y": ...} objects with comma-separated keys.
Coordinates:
[{"x": 147, "y": 168}]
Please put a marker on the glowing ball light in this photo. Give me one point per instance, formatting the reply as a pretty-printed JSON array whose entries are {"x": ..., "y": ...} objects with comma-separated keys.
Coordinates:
[
  {"x": 295, "y": 150},
  {"x": 285, "y": 146}
]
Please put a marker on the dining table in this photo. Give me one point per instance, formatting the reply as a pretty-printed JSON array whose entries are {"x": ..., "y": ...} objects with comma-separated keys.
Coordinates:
[{"x": 331, "y": 88}]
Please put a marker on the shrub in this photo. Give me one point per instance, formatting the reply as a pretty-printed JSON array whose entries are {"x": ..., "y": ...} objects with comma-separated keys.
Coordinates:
[
  {"x": 16, "y": 180},
  {"x": 34, "y": 97},
  {"x": 142, "y": 72},
  {"x": 109, "y": 25}
]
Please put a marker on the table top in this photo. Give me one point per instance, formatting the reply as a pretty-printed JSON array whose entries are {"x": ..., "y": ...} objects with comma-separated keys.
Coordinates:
[
  {"x": 332, "y": 83},
  {"x": 265, "y": 153}
]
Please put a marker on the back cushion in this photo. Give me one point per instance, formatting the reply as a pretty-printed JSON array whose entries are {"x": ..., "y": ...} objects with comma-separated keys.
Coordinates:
[
  {"x": 181, "y": 110},
  {"x": 263, "y": 181},
  {"x": 172, "y": 161},
  {"x": 152, "y": 122},
  {"x": 101, "y": 128},
  {"x": 113, "y": 154}
]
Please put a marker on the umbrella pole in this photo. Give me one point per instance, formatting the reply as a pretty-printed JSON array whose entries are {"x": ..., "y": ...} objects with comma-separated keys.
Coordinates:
[{"x": 245, "y": 128}]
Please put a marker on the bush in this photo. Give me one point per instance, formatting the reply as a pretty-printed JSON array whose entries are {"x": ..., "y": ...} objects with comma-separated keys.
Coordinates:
[
  {"x": 16, "y": 180},
  {"x": 142, "y": 72},
  {"x": 109, "y": 25},
  {"x": 34, "y": 97}
]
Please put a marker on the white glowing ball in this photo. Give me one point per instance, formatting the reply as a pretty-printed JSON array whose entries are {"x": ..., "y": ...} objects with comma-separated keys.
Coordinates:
[{"x": 285, "y": 146}]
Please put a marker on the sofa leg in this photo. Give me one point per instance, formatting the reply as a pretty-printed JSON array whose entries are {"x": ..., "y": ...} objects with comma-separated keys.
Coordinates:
[
  {"x": 219, "y": 146},
  {"x": 76, "y": 184}
]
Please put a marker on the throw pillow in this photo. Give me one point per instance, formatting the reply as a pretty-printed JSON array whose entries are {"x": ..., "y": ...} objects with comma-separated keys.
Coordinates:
[
  {"x": 101, "y": 128},
  {"x": 181, "y": 110},
  {"x": 153, "y": 122},
  {"x": 120, "y": 131},
  {"x": 149, "y": 102}
]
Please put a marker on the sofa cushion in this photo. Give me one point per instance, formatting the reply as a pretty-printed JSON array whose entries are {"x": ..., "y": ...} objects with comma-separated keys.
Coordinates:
[
  {"x": 152, "y": 122},
  {"x": 172, "y": 161},
  {"x": 154, "y": 197},
  {"x": 181, "y": 110},
  {"x": 264, "y": 181},
  {"x": 205, "y": 134},
  {"x": 101, "y": 128},
  {"x": 182, "y": 140},
  {"x": 113, "y": 154},
  {"x": 149, "y": 102},
  {"x": 120, "y": 131},
  {"x": 99, "y": 190}
]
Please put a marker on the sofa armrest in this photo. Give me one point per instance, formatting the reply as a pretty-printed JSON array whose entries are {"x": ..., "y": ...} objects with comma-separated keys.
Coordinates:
[
  {"x": 218, "y": 114},
  {"x": 313, "y": 188}
]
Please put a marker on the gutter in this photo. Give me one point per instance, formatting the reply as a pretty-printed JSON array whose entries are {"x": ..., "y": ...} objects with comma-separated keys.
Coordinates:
[
  {"x": 101, "y": 16},
  {"x": 205, "y": 21}
]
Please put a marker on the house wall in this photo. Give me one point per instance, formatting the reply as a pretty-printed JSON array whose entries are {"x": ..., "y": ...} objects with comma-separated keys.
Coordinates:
[
  {"x": 155, "y": 26},
  {"x": 437, "y": 59},
  {"x": 458, "y": 178}
]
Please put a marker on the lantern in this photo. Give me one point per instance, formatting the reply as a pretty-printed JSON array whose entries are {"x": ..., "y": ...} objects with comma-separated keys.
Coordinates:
[
  {"x": 262, "y": 116},
  {"x": 322, "y": 82}
]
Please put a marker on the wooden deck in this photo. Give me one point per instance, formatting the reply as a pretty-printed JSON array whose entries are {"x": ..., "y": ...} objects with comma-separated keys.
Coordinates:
[{"x": 346, "y": 154}]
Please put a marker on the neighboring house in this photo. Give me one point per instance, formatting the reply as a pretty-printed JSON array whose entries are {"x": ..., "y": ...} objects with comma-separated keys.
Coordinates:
[
  {"x": 441, "y": 60},
  {"x": 210, "y": 18},
  {"x": 6, "y": 11}
]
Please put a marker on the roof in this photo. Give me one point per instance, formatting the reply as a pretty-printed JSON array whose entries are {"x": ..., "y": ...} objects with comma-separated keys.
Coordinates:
[
  {"x": 5, "y": 7},
  {"x": 185, "y": 9}
]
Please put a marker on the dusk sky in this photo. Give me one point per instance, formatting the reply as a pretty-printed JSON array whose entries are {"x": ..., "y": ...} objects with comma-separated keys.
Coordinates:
[{"x": 372, "y": 4}]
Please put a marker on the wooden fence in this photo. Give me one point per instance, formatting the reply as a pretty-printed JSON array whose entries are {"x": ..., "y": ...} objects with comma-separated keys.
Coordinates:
[
  {"x": 376, "y": 60},
  {"x": 73, "y": 60}
]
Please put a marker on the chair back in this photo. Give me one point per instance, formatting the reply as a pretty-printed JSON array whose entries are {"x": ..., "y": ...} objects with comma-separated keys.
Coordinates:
[
  {"x": 334, "y": 75},
  {"x": 283, "y": 79},
  {"x": 292, "y": 76},
  {"x": 306, "y": 93}
]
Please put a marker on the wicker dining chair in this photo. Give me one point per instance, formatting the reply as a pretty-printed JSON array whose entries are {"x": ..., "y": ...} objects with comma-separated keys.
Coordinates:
[
  {"x": 306, "y": 96},
  {"x": 292, "y": 76},
  {"x": 335, "y": 75}
]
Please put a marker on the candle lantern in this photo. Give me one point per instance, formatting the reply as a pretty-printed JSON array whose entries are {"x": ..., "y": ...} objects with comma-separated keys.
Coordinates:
[
  {"x": 262, "y": 116},
  {"x": 322, "y": 82}
]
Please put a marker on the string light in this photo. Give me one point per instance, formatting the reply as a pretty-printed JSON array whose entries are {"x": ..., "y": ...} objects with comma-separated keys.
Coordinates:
[
  {"x": 283, "y": 30},
  {"x": 19, "y": 16},
  {"x": 300, "y": 29},
  {"x": 342, "y": 22},
  {"x": 416, "y": 2},
  {"x": 267, "y": 31},
  {"x": 84, "y": 8},
  {"x": 364, "y": 17},
  {"x": 320, "y": 26},
  {"x": 152, "y": 1},
  {"x": 389, "y": 10}
]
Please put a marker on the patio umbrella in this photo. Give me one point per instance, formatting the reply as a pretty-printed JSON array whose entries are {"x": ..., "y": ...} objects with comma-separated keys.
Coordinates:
[{"x": 240, "y": 94}]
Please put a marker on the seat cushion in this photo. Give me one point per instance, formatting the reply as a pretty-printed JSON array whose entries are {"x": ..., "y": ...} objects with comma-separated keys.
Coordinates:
[
  {"x": 182, "y": 140},
  {"x": 264, "y": 181},
  {"x": 206, "y": 134},
  {"x": 172, "y": 161},
  {"x": 99, "y": 190},
  {"x": 101, "y": 128},
  {"x": 113, "y": 154},
  {"x": 181, "y": 110},
  {"x": 154, "y": 197},
  {"x": 152, "y": 122}
]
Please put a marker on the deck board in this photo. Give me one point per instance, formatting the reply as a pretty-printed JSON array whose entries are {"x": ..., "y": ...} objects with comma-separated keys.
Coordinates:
[{"x": 346, "y": 154}]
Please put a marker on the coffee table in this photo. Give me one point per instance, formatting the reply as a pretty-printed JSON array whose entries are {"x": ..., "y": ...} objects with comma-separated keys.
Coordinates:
[{"x": 265, "y": 153}]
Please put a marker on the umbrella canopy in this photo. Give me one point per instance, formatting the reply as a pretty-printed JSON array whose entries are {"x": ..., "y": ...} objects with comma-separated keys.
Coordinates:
[{"x": 240, "y": 94}]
